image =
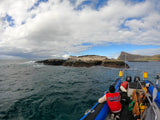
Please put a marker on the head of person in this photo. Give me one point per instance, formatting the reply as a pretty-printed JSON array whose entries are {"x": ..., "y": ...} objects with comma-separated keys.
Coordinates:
[{"x": 111, "y": 89}]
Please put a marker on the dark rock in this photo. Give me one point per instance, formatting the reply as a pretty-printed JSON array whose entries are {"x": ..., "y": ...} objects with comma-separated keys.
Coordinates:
[
  {"x": 52, "y": 62},
  {"x": 114, "y": 63},
  {"x": 80, "y": 63}
]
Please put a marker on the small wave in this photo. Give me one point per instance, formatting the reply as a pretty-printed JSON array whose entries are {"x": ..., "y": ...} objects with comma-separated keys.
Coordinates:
[
  {"x": 33, "y": 63},
  {"x": 38, "y": 66},
  {"x": 29, "y": 62}
]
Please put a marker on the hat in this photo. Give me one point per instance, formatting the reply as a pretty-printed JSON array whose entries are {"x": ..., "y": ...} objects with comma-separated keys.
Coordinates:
[{"x": 111, "y": 89}]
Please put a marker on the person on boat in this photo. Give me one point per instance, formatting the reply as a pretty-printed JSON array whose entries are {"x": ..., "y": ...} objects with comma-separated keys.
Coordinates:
[
  {"x": 113, "y": 100},
  {"x": 124, "y": 86}
]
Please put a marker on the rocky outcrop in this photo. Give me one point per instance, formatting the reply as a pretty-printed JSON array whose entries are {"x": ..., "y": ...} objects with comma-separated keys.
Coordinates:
[
  {"x": 85, "y": 61},
  {"x": 52, "y": 62},
  {"x": 132, "y": 57},
  {"x": 114, "y": 63}
]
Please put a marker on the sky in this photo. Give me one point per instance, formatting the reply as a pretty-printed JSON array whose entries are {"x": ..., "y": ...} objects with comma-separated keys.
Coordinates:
[{"x": 41, "y": 29}]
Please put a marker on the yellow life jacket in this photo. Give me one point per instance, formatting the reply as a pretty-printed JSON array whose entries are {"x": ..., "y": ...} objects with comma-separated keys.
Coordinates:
[
  {"x": 142, "y": 107},
  {"x": 145, "y": 88}
]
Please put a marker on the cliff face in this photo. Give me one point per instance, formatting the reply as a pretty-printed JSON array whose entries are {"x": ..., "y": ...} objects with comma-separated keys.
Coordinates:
[
  {"x": 132, "y": 57},
  {"x": 85, "y": 61}
]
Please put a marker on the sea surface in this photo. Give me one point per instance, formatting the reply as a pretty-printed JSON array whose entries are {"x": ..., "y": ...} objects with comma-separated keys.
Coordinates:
[{"x": 31, "y": 91}]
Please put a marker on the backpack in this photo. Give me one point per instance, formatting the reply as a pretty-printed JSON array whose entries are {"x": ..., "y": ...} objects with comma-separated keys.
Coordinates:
[{"x": 124, "y": 98}]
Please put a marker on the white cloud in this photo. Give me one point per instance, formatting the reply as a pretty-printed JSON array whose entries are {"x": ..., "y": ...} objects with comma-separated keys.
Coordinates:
[
  {"x": 55, "y": 28},
  {"x": 149, "y": 52},
  {"x": 65, "y": 56},
  {"x": 9, "y": 57},
  {"x": 17, "y": 9}
]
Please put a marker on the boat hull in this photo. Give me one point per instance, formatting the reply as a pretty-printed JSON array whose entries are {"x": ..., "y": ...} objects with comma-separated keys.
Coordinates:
[
  {"x": 100, "y": 110},
  {"x": 151, "y": 92}
]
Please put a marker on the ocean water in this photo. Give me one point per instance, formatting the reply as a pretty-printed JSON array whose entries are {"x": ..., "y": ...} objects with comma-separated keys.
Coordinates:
[{"x": 31, "y": 91}]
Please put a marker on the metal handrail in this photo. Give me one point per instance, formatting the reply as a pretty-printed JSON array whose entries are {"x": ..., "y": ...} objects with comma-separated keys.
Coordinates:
[
  {"x": 156, "y": 116},
  {"x": 151, "y": 104}
]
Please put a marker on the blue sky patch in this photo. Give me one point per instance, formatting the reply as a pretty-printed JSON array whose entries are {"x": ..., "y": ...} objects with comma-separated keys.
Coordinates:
[
  {"x": 37, "y": 4},
  {"x": 123, "y": 26},
  {"x": 137, "y": 1},
  {"x": 115, "y": 48},
  {"x": 133, "y": 18},
  {"x": 86, "y": 44},
  {"x": 100, "y": 4},
  {"x": 84, "y": 3},
  {"x": 23, "y": 22},
  {"x": 9, "y": 19},
  {"x": 39, "y": 1},
  {"x": 93, "y": 4}
]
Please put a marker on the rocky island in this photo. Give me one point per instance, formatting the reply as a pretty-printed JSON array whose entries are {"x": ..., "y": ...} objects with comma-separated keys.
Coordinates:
[{"x": 86, "y": 61}]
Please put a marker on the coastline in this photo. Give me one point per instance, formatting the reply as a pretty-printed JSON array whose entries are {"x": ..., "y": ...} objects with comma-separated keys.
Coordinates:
[{"x": 86, "y": 61}]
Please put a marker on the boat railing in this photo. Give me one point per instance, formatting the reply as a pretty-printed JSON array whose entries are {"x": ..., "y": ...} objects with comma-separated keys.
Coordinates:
[{"x": 151, "y": 104}]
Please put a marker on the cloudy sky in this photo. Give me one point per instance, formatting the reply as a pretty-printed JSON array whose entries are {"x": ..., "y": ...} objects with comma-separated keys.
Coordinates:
[{"x": 38, "y": 29}]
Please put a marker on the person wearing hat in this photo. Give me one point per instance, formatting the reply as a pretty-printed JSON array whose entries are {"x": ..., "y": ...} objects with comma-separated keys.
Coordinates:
[{"x": 113, "y": 100}]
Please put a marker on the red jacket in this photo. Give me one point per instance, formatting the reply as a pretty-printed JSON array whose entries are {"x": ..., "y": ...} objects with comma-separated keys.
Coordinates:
[
  {"x": 125, "y": 84},
  {"x": 113, "y": 100}
]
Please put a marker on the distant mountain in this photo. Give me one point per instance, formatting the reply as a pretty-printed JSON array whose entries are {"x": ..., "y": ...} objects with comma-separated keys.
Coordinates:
[{"x": 132, "y": 57}]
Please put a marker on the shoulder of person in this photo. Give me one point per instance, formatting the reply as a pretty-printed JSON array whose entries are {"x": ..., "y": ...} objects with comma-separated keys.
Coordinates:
[{"x": 117, "y": 93}]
